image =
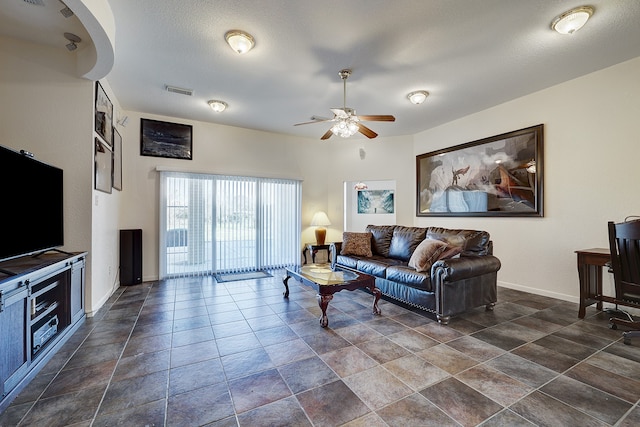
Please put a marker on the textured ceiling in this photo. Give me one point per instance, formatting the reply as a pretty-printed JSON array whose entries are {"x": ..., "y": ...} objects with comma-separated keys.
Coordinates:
[{"x": 470, "y": 55}]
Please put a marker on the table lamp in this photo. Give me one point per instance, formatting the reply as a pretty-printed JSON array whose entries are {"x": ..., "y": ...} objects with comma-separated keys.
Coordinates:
[{"x": 320, "y": 219}]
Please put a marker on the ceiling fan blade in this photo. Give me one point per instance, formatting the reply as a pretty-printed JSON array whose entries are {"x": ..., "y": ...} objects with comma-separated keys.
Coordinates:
[
  {"x": 377, "y": 118},
  {"x": 315, "y": 120},
  {"x": 340, "y": 113},
  {"x": 366, "y": 131},
  {"x": 328, "y": 134}
]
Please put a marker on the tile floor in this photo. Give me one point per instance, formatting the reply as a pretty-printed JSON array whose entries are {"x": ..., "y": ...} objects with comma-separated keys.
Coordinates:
[{"x": 192, "y": 352}]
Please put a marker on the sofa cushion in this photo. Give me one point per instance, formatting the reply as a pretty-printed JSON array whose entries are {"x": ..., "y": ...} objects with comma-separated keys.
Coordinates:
[
  {"x": 427, "y": 252},
  {"x": 358, "y": 244},
  {"x": 381, "y": 238},
  {"x": 405, "y": 240},
  {"x": 409, "y": 276},
  {"x": 375, "y": 266},
  {"x": 473, "y": 242},
  {"x": 347, "y": 260}
]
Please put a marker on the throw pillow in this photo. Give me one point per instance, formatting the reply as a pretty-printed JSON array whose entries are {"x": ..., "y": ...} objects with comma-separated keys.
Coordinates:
[
  {"x": 426, "y": 254},
  {"x": 358, "y": 244},
  {"x": 450, "y": 252}
]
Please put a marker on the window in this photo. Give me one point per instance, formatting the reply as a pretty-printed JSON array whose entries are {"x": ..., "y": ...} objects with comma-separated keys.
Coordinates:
[{"x": 219, "y": 224}]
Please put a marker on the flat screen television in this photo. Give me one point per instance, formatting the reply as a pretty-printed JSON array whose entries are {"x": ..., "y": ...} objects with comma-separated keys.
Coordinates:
[{"x": 31, "y": 204}]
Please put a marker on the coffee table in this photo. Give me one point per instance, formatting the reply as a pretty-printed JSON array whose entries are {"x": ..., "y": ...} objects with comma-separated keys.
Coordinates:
[{"x": 328, "y": 281}]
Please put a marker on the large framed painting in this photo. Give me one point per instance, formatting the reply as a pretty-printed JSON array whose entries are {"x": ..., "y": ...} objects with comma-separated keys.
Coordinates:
[
  {"x": 496, "y": 176},
  {"x": 164, "y": 139},
  {"x": 104, "y": 115}
]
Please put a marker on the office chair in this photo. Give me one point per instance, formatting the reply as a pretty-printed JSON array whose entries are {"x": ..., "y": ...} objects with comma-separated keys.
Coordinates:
[{"x": 624, "y": 243}]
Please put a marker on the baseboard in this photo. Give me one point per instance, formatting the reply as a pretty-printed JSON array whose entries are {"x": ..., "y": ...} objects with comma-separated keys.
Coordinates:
[
  {"x": 537, "y": 291},
  {"x": 103, "y": 300}
]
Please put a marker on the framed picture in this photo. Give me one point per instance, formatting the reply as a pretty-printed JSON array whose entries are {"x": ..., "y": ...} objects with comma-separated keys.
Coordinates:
[
  {"x": 164, "y": 139},
  {"x": 496, "y": 176},
  {"x": 103, "y": 163},
  {"x": 104, "y": 115},
  {"x": 117, "y": 160},
  {"x": 375, "y": 202}
]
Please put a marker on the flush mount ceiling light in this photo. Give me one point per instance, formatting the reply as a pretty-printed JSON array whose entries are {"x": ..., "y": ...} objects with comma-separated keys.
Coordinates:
[
  {"x": 73, "y": 39},
  {"x": 218, "y": 106},
  {"x": 418, "y": 96},
  {"x": 239, "y": 41},
  {"x": 572, "y": 20}
]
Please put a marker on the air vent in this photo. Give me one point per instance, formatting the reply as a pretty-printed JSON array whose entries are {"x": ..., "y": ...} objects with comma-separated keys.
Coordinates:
[
  {"x": 181, "y": 91},
  {"x": 36, "y": 2}
]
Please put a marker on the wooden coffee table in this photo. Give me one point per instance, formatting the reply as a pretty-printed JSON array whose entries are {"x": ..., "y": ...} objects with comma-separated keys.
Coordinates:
[{"x": 328, "y": 281}]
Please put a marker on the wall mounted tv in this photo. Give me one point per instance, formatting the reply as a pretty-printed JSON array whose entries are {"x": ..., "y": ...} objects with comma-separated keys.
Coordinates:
[{"x": 32, "y": 205}]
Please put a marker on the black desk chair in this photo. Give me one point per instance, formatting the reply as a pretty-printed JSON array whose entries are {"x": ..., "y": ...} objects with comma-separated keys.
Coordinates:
[{"x": 624, "y": 243}]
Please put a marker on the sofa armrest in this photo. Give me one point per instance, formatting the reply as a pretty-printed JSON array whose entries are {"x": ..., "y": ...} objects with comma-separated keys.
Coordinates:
[
  {"x": 334, "y": 250},
  {"x": 454, "y": 269}
]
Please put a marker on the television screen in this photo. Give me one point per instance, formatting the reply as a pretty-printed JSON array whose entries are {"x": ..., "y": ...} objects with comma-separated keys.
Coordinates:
[{"x": 32, "y": 205}]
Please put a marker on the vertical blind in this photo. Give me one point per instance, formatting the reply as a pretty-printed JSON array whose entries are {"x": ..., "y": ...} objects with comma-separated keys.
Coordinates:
[{"x": 213, "y": 224}]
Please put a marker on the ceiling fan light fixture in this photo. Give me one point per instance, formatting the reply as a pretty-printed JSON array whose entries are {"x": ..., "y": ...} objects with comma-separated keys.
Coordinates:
[
  {"x": 418, "y": 97},
  {"x": 240, "y": 41},
  {"x": 572, "y": 20},
  {"x": 218, "y": 106},
  {"x": 346, "y": 127}
]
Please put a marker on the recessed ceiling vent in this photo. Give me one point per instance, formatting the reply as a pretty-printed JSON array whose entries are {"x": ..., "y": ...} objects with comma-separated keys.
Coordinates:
[
  {"x": 36, "y": 2},
  {"x": 181, "y": 91}
]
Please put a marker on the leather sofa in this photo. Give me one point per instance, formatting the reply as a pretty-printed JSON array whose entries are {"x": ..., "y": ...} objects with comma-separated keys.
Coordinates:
[{"x": 449, "y": 285}]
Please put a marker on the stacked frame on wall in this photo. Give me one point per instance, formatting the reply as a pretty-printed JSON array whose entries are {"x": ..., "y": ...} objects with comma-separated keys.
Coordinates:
[
  {"x": 117, "y": 160},
  {"x": 496, "y": 176}
]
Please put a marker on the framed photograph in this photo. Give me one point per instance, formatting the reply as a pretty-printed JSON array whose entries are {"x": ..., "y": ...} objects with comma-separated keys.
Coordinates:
[
  {"x": 103, "y": 162},
  {"x": 496, "y": 176},
  {"x": 117, "y": 160},
  {"x": 104, "y": 115},
  {"x": 164, "y": 139},
  {"x": 376, "y": 202}
]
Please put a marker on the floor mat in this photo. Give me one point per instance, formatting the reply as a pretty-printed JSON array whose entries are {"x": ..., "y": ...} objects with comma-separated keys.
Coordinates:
[{"x": 233, "y": 277}]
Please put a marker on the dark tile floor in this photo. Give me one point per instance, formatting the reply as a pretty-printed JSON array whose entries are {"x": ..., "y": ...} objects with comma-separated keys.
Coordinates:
[{"x": 192, "y": 352}]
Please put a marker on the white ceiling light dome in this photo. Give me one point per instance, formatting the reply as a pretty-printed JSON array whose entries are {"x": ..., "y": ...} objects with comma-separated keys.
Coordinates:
[
  {"x": 572, "y": 20},
  {"x": 418, "y": 97},
  {"x": 218, "y": 106},
  {"x": 240, "y": 41}
]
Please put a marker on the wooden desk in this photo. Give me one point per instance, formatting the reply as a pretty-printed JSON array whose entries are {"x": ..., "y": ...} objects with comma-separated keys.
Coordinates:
[{"x": 590, "y": 263}]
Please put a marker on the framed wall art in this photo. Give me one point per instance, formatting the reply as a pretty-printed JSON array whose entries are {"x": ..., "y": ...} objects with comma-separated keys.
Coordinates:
[
  {"x": 103, "y": 164},
  {"x": 117, "y": 160},
  {"x": 376, "y": 202},
  {"x": 164, "y": 139},
  {"x": 104, "y": 115},
  {"x": 496, "y": 176}
]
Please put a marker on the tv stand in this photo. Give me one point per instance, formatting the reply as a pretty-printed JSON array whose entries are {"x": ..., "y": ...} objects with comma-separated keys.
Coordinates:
[
  {"x": 7, "y": 272},
  {"x": 41, "y": 306},
  {"x": 38, "y": 254}
]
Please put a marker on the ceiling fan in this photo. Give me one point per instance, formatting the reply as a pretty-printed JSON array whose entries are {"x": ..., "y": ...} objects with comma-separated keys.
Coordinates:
[{"x": 346, "y": 122}]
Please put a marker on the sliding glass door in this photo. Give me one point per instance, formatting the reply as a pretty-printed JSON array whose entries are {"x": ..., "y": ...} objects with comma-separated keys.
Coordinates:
[{"x": 214, "y": 224}]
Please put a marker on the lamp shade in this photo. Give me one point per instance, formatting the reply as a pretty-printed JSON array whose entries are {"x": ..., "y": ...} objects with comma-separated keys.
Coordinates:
[{"x": 320, "y": 219}]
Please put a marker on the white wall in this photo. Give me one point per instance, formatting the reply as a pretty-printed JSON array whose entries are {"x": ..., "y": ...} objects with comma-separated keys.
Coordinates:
[
  {"x": 47, "y": 110},
  {"x": 217, "y": 149},
  {"x": 386, "y": 159},
  {"x": 591, "y": 176}
]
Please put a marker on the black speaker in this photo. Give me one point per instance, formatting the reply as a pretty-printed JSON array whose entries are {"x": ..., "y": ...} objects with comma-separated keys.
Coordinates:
[{"x": 130, "y": 257}]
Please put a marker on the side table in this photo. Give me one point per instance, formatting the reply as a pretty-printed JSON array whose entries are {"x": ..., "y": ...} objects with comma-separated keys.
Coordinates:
[
  {"x": 590, "y": 263},
  {"x": 314, "y": 248}
]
